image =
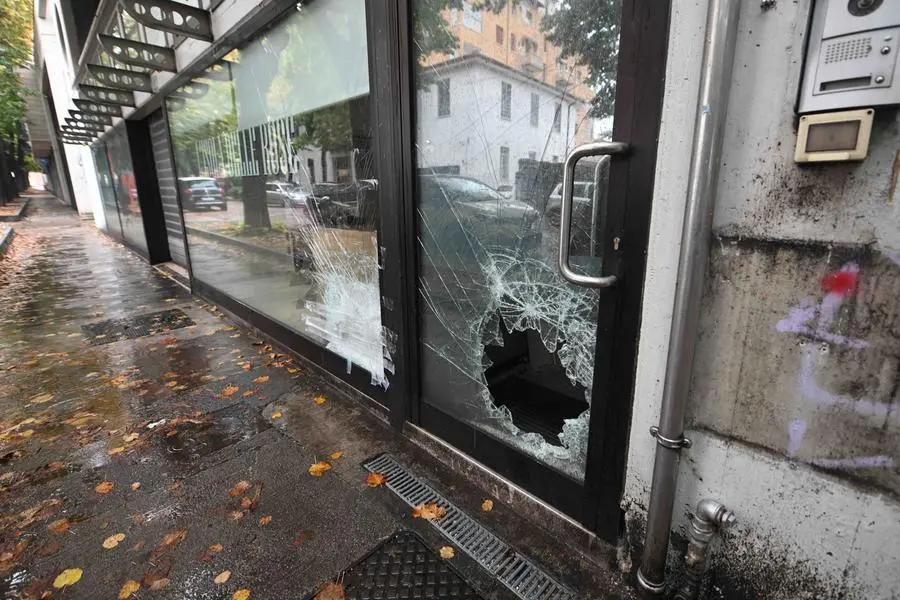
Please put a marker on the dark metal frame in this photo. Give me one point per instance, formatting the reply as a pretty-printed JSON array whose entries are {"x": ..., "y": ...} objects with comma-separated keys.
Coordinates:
[{"x": 187, "y": 250}]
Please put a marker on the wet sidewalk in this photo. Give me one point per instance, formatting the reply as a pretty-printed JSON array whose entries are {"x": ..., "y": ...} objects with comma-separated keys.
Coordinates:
[{"x": 152, "y": 448}]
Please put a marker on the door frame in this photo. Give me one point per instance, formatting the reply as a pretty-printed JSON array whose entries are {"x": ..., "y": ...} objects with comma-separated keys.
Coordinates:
[{"x": 639, "y": 99}]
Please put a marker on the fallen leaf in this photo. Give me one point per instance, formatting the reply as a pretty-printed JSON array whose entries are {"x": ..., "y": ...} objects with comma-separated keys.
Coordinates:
[
  {"x": 131, "y": 586},
  {"x": 236, "y": 515},
  {"x": 429, "y": 511},
  {"x": 239, "y": 488},
  {"x": 331, "y": 591},
  {"x": 136, "y": 485},
  {"x": 277, "y": 414},
  {"x": 247, "y": 394},
  {"x": 172, "y": 383},
  {"x": 229, "y": 390},
  {"x": 215, "y": 548},
  {"x": 222, "y": 577},
  {"x": 157, "y": 580},
  {"x": 140, "y": 544},
  {"x": 242, "y": 594},
  {"x": 292, "y": 370},
  {"x": 375, "y": 479},
  {"x": 170, "y": 375},
  {"x": 301, "y": 537},
  {"x": 263, "y": 521},
  {"x": 319, "y": 399},
  {"x": 116, "y": 450},
  {"x": 41, "y": 398},
  {"x": 104, "y": 488},
  {"x": 261, "y": 379},
  {"x": 174, "y": 537},
  {"x": 49, "y": 549},
  {"x": 113, "y": 541},
  {"x": 487, "y": 505},
  {"x": 247, "y": 503},
  {"x": 447, "y": 552},
  {"x": 336, "y": 455},
  {"x": 247, "y": 366},
  {"x": 170, "y": 340},
  {"x": 59, "y": 526},
  {"x": 318, "y": 469},
  {"x": 159, "y": 584},
  {"x": 67, "y": 577},
  {"x": 130, "y": 437}
]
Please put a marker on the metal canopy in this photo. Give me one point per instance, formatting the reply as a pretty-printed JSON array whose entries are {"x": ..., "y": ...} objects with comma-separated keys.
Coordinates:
[
  {"x": 106, "y": 95},
  {"x": 84, "y": 125},
  {"x": 158, "y": 58},
  {"x": 97, "y": 108},
  {"x": 121, "y": 79},
  {"x": 173, "y": 17},
  {"x": 91, "y": 118},
  {"x": 191, "y": 90}
]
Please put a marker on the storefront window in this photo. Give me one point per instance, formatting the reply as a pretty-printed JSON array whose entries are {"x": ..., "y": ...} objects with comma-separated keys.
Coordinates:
[
  {"x": 118, "y": 156},
  {"x": 107, "y": 191},
  {"x": 277, "y": 183}
]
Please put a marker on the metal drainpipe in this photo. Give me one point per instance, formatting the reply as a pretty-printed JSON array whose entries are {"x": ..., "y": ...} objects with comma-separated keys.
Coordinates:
[{"x": 715, "y": 82}]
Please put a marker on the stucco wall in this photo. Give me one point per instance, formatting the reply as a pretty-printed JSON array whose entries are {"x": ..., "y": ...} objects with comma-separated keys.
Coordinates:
[{"x": 792, "y": 405}]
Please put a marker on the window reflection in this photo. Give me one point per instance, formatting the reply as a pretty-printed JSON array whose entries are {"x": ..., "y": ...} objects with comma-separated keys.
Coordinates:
[
  {"x": 115, "y": 173},
  {"x": 277, "y": 182}
]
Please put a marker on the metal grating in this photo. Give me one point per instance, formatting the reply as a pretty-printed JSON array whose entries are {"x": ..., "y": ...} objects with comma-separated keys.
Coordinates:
[
  {"x": 404, "y": 568},
  {"x": 522, "y": 576},
  {"x": 114, "y": 330}
]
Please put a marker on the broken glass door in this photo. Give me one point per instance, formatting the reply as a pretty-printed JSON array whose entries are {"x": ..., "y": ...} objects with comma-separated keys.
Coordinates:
[{"x": 505, "y": 91}]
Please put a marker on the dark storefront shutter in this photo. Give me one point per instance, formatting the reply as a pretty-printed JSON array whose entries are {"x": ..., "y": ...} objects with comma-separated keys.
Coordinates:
[{"x": 167, "y": 190}]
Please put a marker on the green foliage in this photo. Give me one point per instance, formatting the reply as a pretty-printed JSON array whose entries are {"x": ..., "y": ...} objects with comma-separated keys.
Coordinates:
[
  {"x": 29, "y": 165},
  {"x": 328, "y": 128},
  {"x": 15, "y": 53}
]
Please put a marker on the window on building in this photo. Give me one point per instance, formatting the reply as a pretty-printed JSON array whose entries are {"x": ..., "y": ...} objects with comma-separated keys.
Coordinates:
[
  {"x": 529, "y": 45},
  {"x": 557, "y": 117},
  {"x": 526, "y": 12},
  {"x": 555, "y": 158},
  {"x": 443, "y": 89},
  {"x": 505, "y": 100},
  {"x": 512, "y": 41},
  {"x": 535, "y": 109},
  {"x": 471, "y": 17},
  {"x": 504, "y": 163},
  {"x": 532, "y": 155},
  {"x": 500, "y": 36}
]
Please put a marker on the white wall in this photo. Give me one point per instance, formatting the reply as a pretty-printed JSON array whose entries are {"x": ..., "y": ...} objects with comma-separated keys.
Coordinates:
[
  {"x": 801, "y": 533},
  {"x": 62, "y": 77},
  {"x": 472, "y": 135}
]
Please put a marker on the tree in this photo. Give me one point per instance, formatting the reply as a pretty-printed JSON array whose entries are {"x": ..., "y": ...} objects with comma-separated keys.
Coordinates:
[{"x": 15, "y": 54}]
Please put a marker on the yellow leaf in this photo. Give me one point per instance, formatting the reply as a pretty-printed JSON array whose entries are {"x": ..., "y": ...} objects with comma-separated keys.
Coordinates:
[
  {"x": 263, "y": 521},
  {"x": 104, "y": 488},
  {"x": 222, "y": 577},
  {"x": 247, "y": 366},
  {"x": 130, "y": 587},
  {"x": 247, "y": 394},
  {"x": 319, "y": 399},
  {"x": 215, "y": 548},
  {"x": 336, "y": 455},
  {"x": 239, "y": 488},
  {"x": 318, "y": 469},
  {"x": 59, "y": 527},
  {"x": 159, "y": 584},
  {"x": 67, "y": 577},
  {"x": 330, "y": 591},
  {"x": 277, "y": 414},
  {"x": 174, "y": 537},
  {"x": 487, "y": 505},
  {"x": 41, "y": 398},
  {"x": 229, "y": 390},
  {"x": 261, "y": 379},
  {"x": 242, "y": 594},
  {"x": 130, "y": 437},
  {"x": 447, "y": 552},
  {"x": 113, "y": 541},
  {"x": 429, "y": 511},
  {"x": 136, "y": 485},
  {"x": 172, "y": 383},
  {"x": 236, "y": 515},
  {"x": 116, "y": 450},
  {"x": 375, "y": 480},
  {"x": 292, "y": 370}
]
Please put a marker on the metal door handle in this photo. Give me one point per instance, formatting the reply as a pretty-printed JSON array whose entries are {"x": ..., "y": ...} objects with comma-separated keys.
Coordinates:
[{"x": 565, "y": 216}]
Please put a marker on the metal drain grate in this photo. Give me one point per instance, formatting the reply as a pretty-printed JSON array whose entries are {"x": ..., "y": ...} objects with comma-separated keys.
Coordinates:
[
  {"x": 404, "y": 567},
  {"x": 523, "y": 577},
  {"x": 114, "y": 330}
]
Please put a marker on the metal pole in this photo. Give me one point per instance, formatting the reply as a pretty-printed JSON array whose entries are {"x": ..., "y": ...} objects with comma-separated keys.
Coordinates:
[{"x": 715, "y": 82}]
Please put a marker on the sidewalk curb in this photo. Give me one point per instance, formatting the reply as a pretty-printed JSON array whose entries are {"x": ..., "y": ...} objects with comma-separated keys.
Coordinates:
[
  {"x": 18, "y": 216},
  {"x": 5, "y": 240},
  {"x": 218, "y": 237}
]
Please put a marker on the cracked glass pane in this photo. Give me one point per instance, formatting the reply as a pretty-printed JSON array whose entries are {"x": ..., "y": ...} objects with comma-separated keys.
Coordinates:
[{"x": 504, "y": 92}]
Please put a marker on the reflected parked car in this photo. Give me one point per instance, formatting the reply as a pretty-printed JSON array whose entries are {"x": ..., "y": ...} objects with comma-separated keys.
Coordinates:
[
  {"x": 581, "y": 204},
  {"x": 288, "y": 195},
  {"x": 456, "y": 209},
  {"x": 201, "y": 193}
]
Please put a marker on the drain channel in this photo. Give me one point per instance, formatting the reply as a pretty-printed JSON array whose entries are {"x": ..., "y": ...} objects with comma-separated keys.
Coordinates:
[{"x": 522, "y": 576}]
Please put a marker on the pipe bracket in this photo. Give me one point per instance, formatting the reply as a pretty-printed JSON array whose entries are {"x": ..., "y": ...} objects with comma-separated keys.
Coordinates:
[{"x": 672, "y": 444}]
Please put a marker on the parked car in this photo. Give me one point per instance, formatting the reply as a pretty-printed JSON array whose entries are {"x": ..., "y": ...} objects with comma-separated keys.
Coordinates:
[
  {"x": 288, "y": 195},
  {"x": 506, "y": 190},
  {"x": 581, "y": 204},
  {"x": 201, "y": 192}
]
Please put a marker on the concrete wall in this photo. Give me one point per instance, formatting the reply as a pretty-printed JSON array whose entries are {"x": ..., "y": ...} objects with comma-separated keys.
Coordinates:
[{"x": 792, "y": 409}]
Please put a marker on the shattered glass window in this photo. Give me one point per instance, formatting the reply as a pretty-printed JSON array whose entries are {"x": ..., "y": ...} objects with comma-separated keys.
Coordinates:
[
  {"x": 507, "y": 344},
  {"x": 277, "y": 182}
]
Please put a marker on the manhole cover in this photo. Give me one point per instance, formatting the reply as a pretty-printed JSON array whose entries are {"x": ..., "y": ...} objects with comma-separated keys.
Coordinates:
[
  {"x": 113, "y": 330},
  {"x": 404, "y": 568}
]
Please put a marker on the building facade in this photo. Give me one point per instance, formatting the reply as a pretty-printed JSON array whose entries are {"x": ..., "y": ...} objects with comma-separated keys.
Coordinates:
[{"x": 377, "y": 186}]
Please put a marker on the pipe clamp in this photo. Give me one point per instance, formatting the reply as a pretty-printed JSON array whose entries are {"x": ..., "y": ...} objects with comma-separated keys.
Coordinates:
[{"x": 676, "y": 444}]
